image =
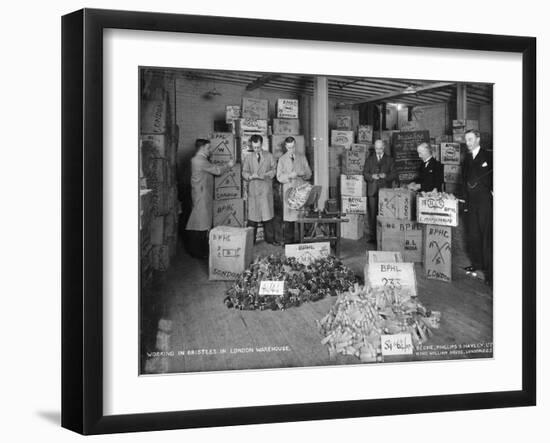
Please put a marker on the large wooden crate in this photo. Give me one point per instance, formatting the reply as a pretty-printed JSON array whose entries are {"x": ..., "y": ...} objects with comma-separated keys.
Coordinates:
[{"x": 438, "y": 252}]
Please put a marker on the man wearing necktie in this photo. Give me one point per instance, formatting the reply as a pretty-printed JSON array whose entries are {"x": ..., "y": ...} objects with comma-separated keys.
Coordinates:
[
  {"x": 292, "y": 171},
  {"x": 477, "y": 175},
  {"x": 430, "y": 172},
  {"x": 379, "y": 172},
  {"x": 259, "y": 169}
]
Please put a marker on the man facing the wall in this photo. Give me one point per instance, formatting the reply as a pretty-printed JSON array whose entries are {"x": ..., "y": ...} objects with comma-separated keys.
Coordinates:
[{"x": 379, "y": 172}]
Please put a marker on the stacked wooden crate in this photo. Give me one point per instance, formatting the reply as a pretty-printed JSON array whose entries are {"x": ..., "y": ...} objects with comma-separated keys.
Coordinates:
[{"x": 158, "y": 146}]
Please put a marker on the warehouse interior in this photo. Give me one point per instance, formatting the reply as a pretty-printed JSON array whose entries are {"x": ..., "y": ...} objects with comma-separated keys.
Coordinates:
[{"x": 186, "y": 324}]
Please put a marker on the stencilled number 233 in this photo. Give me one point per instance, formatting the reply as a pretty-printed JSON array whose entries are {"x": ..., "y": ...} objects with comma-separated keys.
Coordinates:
[{"x": 393, "y": 283}]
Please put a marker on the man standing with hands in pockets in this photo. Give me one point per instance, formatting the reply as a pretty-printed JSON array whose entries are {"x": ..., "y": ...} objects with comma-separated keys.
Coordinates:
[
  {"x": 259, "y": 169},
  {"x": 379, "y": 172}
]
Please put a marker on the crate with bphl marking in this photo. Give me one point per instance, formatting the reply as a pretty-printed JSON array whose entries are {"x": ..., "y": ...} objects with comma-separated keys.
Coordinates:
[{"x": 437, "y": 209}]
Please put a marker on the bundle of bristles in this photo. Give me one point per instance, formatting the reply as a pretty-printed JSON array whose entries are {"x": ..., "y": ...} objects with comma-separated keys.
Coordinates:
[{"x": 361, "y": 315}]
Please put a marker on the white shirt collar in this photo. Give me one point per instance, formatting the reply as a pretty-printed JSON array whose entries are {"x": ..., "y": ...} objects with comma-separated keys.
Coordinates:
[
  {"x": 475, "y": 152},
  {"x": 428, "y": 159}
]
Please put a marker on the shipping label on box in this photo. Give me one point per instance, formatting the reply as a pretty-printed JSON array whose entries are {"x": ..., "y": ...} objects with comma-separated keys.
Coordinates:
[
  {"x": 400, "y": 235},
  {"x": 364, "y": 134},
  {"x": 354, "y": 228},
  {"x": 286, "y": 126},
  {"x": 230, "y": 252},
  {"x": 384, "y": 257},
  {"x": 452, "y": 173},
  {"x": 354, "y": 205},
  {"x": 278, "y": 143},
  {"x": 223, "y": 144},
  {"x": 396, "y": 203},
  {"x": 359, "y": 147},
  {"x": 459, "y": 138},
  {"x": 232, "y": 112},
  {"x": 353, "y": 186},
  {"x": 437, "y": 211},
  {"x": 308, "y": 252},
  {"x": 353, "y": 162},
  {"x": 287, "y": 108},
  {"x": 228, "y": 185},
  {"x": 341, "y": 138},
  {"x": 399, "y": 277},
  {"x": 343, "y": 121},
  {"x": 251, "y": 126},
  {"x": 450, "y": 153},
  {"x": 153, "y": 117},
  {"x": 228, "y": 213},
  {"x": 254, "y": 108},
  {"x": 437, "y": 252}
]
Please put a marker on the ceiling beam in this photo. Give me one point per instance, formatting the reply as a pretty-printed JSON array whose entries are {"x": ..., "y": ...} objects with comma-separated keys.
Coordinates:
[
  {"x": 419, "y": 90},
  {"x": 261, "y": 81}
]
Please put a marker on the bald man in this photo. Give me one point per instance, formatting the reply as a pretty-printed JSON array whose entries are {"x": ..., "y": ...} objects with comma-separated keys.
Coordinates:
[{"x": 379, "y": 172}]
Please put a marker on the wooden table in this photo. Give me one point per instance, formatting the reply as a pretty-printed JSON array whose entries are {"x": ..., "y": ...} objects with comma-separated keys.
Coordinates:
[{"x": 329, "y": 228}]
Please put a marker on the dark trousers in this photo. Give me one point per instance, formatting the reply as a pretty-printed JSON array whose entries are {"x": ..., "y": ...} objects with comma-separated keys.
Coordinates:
[
  {"x": 268, "y": 230},
  {"x": 196, "y": 243},
  {"x": 288, "y": 232},
  {"x": 372, "y": 202},
  {"x": 479, "y": 230}
]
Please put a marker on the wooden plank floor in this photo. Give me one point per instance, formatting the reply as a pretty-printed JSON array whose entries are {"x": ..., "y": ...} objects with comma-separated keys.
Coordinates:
[{"x": 207, "y": 336}]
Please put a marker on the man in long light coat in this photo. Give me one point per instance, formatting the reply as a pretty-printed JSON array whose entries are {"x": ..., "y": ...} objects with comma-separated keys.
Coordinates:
[
  {"x": 292, "y": 171},
  {"x": 259, "y": 169},
  {"x": 202, "y": 190}
]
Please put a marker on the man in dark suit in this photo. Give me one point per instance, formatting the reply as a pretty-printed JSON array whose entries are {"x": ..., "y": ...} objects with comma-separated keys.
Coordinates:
[
  {"x": 430, "y": 172},
  {"x": 477, "y": 174},
  {"x": 379, "y": 172}
]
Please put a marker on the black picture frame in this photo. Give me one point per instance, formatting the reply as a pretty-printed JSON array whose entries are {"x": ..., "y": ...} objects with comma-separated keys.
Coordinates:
[{"x": 82, "y": 215}]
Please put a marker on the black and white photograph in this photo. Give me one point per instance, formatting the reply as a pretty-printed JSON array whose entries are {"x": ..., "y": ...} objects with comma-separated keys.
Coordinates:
[{"x": 298, "y": 220}]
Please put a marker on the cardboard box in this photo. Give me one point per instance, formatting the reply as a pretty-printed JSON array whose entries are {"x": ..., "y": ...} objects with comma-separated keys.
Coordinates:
[
  {"x": 286, "y": 126},
  {"x": 450, "y": 153},
  {"x": 398, "y": 276},
  {"x": 223, "y": 144},
  {"x": 384, "y": 257},
  {"x": 452, "y": 188},
  {"x": 250, "y": 126},
  {"x": 437, "y": 211},
  {"x": 364, "y": 134},
  {"x": 341, "y": 138},
  {"x": 230, "y": 252},
  {"x": 287, "y": 108},
  {"x": 308, "y": 252},
  {"x": 452, "y": 174},
  {"x": 228, "y": 213},
  {"x": 353, "y": 186},
  {"x": 437, "y": 252},
  {"x": 353, "y": 162},
  {"x": 254, "y": 108},
  {"x": 354, "y": 205},
  {"x": 343, "y": 121},
  {"x": 404, "y": 236},
  {"x": 278, "y": 141},
  {"x": 472, "y": 124},
  {"x": 459, "y": 123},
  {"x": 228, "y": 185},
  {"x": 396, "y": 203},
  {"x": 153, "y": 117},
  {"x": 436, "y": 151},
  {"x": 232, "y": 112},
  {"x": 353, "y": 229}
]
